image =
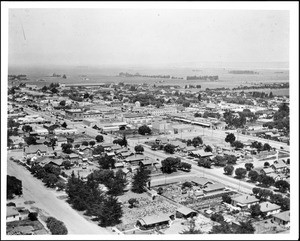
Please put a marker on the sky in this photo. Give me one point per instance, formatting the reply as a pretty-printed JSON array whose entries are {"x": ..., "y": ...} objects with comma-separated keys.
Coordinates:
[{"x": 83, "y": 37}]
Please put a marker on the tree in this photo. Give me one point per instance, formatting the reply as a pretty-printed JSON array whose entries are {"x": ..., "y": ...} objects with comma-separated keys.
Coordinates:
[
  {"x": 12, "y": 124},
  {"x": 124, "y": 141},
  {"x": 267, "y": 181},
  {"x": 66, "y": 148},
  {"x": 64, "y": 125},
  {"x": 197, "y": 141},
  {"x": 85, "y": 143},
  {"x": 266, "y": 147},
  {"x": 106, "y": 161},
  {"x": 185, "y": 166},
  {"x": 192, "y": 228},
  {"x": 249, "y": 166},
  {"x": 33, "y": 216},
  {"x": 50, "y": 180},
  {"x": 240, "y": 172},
  {"x": 67, "y": 164},
  {"x": 230, "y": 138},
  {"x": 56, "y": 227},
  {"x": 27, "y": 128},
  {"x": 219, "y": 161},
  {"x": 224, "y": 228},
  {"x": 169, "y": 148},
  {"x": 61, "y": 185},
  {"x": 208, "y": 148},
  {"x": 217, "y": 217},
  {"x": 14, "y": 187},
  {"x": 255, "y": 191},
  {"x": 226, "y": 198},
  {"x": 282, "y": 185},
  {"x": 231, "y": 159},
  {"x": 54, "y": 90},
  {"x": 228, "y": 170},
  {"x": 207, "y": 163},
  {"x": 30, "y": 140},
  {"x": 98, "y": 150},
  {"x": 253, "y": 175},
  {"x": 143, "y": 130},
  {"x": 237, "y": 145},
  {"x": 132, "y": 202},
  {"x": 170, "y": 164},
  {"x": 266, "y": 164},
  {"x": 139, "y": 149},
  {"x": 140, "y": 180},
  {"x": 99, "y": 138},
  {"x": 111, "y": 212},
  {"x": 62, "y": 103},
  {"x": 92, "y": 143},
  {"x": 245, "y": 228},
  {"x": 117, "y": 184},
  {"x": 255, "y": 210},
  {"x": 186, "y": 185},
  {"x": 44, "y": 89}
]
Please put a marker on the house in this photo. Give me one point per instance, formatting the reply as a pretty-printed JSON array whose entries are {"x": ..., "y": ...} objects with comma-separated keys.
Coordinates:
[
  {"x": 134, "y": 160},
  {"x": 244, "y": 201},
  {"x": 57, "y": 162},
  {"x": 126, "y": 154},
  {"x": 215, "y": 187},
  {"x": 282, "y": 218},
  {"x": 150, "y": 222},
  {"x": 12, "y": 214},
  {"x": 268, "y": 208},
  {"x": 148, "y": 163},
  {"x": 73, "y": 156},
  {"x": 202, "y": 153},
  {"x": 39, "y": 150},
  {"x": 185, "y": 212},
  {"x": 119, "y": 165},
  {"x": 279, "y": 167},
  {"x": 267, "y": 171},
  {"x": 189, "y": 149},
  {"x": 201, "y": 182}
]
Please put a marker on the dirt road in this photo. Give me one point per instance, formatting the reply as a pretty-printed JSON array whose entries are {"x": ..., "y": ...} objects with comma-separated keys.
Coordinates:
[{"x": 46, "y": 199}]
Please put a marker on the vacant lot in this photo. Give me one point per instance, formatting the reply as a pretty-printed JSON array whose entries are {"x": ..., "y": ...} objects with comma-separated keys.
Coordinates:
[{"x": 145, "y": 207}]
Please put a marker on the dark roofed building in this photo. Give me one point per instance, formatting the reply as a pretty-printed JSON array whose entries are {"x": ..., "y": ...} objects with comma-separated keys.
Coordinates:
[{"x": 153, "y": 221}]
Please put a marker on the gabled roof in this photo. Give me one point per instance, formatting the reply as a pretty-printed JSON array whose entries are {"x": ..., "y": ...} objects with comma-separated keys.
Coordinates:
[
  {"x": 135, "y": 158},
  {"x": 278, "y": 165},
  {"x": 213, "y": 187},
  {"x": 35, "y": 148},
  {"x": 150, "y": 220},
  {"x": 267, "y": 170},
  {"x": 285, "y": 216},
  {"x": 245, "y": 199},
  {"x": 201, "y": 181},
  {"x": 267, "y": 207},
  {"x": 185, "y": 210},
  {"x": 202, "y": 153},
  {"x": 11, "y": 211}
]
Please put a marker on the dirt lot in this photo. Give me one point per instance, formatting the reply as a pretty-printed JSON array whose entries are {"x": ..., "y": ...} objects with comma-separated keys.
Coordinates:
[
  {"x": 146, "y": 207},
  {"x": 266, "y": 226}
]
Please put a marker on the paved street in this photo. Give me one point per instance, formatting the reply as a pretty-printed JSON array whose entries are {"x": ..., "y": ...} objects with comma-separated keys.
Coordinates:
[{"x": 46, "y": 199}]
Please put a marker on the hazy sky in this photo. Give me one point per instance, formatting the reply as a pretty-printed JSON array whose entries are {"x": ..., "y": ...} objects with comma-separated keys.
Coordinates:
[{"x": 105, "y": 37}]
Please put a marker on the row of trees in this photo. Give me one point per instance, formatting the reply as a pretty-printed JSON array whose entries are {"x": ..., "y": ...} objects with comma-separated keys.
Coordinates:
[
  {"x": 171, "y": 164},
  {"x": 14, "y": 187}
]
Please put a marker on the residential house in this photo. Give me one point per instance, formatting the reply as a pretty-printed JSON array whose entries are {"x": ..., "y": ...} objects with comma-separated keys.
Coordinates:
[
  {"x": 135, "y": 159},
  {"x": 12, "y": 214},
  {"x": 150, "y": 222},
  {"x": 211, "y": 188},
  {"x": 244, "y": 201},
  {"x": 268, "y": 208},
  {"x": 37, "y": 150},
  {"x": 267, "y": 171},
  {"x": 185, "y": 212},
  {"x": 282, "y": 218},
  {"x": 201, "y": 182},
  {"x": 279, "y": 167}
]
